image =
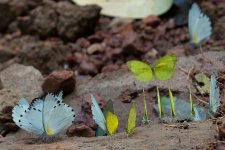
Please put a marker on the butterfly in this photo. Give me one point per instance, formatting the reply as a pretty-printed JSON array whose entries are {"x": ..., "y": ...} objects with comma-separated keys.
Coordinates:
[
  {"x": 214, "y": 96},
  {"x": 199, "y": 25},
  {"x": 163, "y": 68},
  {"x": 109, "y": 124},
  {"x": 131, "y": 121},
  {"x": 46, "y": 116},
  {"x": 109, "y": 107}
]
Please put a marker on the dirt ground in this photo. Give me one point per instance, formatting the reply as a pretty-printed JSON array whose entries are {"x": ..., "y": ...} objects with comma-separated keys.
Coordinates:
[{"x": 161, "y": 137}]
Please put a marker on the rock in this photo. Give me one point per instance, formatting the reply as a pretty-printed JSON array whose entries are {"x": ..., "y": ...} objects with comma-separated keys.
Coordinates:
[
  {"x": 8, "y": 99},
  {"x": 1, "y": 86},
  {"x": 41, "y": 20},
  {"x": 60, "y": 18},
  {"x": 121, "y": 80},
  {"x": 10, "y": 127},
  {"x": 82, "y": 42},
  {"x": 70, "y": 17},
  {"x": 80, "y": 130},
  {"x": 218, "y": 29},
  {"x": 132, "y": 44},
  {"x": 121, "y": 85},
  {"x": 45, "y": 56},
  {"x": 179, "y": 51},
  {"x": 26, "y": 81},
  {"x": 96, "y": 48},
  {"x": 10, "y": 10},
  {"x": 110, "y": 68},
  {"x": 151, "y": 20},
  {"x": 86, "y": 103},
  {"x": 88, "y": 67},
  {"x": 6, "y": 54},
  {"x": 220, "y": 147},
  {"x": 86, "y": 119},
  {"x": 221, "y": 132},
  {"x": 60, "y": 80},
  {"x": 97, "y": 37}
]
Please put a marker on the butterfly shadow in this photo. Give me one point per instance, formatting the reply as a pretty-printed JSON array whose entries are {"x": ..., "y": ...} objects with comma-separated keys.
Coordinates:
[{"x": 34, "y": 139}]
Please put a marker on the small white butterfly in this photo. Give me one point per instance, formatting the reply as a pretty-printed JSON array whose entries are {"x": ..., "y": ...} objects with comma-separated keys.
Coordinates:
[
  {"x": 43, "y": 117},
  {"x": 199, "y": 25},
  {"x": 97, "y": 114},
  {"x": 214, "y": 96}
]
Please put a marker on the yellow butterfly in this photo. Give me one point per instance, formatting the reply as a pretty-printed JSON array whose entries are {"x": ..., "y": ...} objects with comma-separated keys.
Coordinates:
[
  {"x": 163, "y": 69},
  {"x": 130, "y": 126},
  {"x": 111, "y": 123}
]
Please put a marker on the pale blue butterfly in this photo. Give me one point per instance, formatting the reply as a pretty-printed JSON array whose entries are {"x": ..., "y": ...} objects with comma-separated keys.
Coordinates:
[
  {"x": 98, "y": 116},
  {"x": 214, "y": 96},
  {"x": 199, "y": 25},
  {"x": 43, "y": 117}
]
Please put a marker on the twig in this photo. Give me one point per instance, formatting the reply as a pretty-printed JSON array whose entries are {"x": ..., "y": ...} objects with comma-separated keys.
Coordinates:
[{"x": 202, "y": 101}]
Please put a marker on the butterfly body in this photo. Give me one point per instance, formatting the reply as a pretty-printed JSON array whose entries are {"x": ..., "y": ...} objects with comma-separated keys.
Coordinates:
[{"x": 43, "y": 116}]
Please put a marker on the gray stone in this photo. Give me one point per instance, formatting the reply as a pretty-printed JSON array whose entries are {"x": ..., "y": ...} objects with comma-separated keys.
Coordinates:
[{"x": 26, "y": 81}]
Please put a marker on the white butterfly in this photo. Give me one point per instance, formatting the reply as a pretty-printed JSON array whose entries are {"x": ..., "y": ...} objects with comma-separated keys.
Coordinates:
[
  {"x": 97, "y": 114},
  {"x": 43, "y": 117},
  {"x": 199, "y": 25},
  {"x": 214, "y": 96}
]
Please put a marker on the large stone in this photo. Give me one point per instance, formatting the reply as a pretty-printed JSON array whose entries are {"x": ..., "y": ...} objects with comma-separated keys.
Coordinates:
[
  {"x": 62, "y": 80},
  {"x": 62, "y": 18},
  {"x": 8, "y": 99},
  {"x": 26, "y": 81},
  {"x": 46, "y": 56},
  {"x": 80, "y": 130},
  {"x": 10, "y": 9}
]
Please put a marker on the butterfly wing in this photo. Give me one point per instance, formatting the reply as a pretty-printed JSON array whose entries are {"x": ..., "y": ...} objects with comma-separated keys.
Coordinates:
[
  {"x": 200, "y": 114},
  {"x": 142, "y": 72},
  {"x": 57, "y": 114},
  {"x": 61, "y": 117},
  {"x": 34, "y": 115},
  {"x": 199, "y": 25},
  {"x": 111, "y": 122},
  {"x": 28, "y": 117},
  {"x": 97, "y": 114},
  {"x": 214, "y": 95},
  {"x": 130, "y": 126},
  {"x": 20, "y": 108},
  {"x": 164, "y": 67}
]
